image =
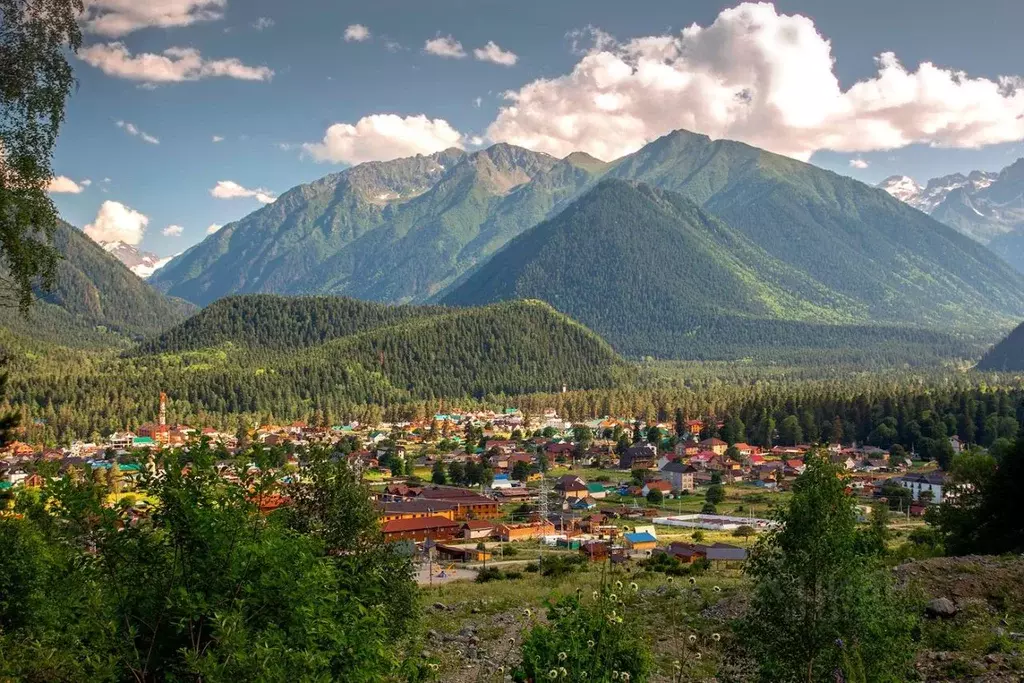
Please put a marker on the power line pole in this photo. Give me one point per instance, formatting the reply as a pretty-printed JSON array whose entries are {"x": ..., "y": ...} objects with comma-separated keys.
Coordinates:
[{"x": 542, "y": 508}]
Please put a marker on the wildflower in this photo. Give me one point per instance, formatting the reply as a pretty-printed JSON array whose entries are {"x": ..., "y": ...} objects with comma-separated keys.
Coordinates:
[
  {"x": 696, "y": 655},
  {"x": 625, "y": 675},
  {"x": 717, "y": 589},
  {"x": 501, "y": 669},
  {"x": 839, "y": 642},
  {"x": 553, "y": 674},
  {"x": 615, "y": 675},
  {"x": 618, "y": 620},
  {"x": 693, "y": 638},
  {"x": 669, "y": 579},
  {"x": 634, "y": 587},
  {"x": 618, "y": 584},
  {"x": 562, "y": 656},
  {"x": 511, "y": 641},
  {"x": 527, "y": 613},
  {"x": 716, "y": 637},
  {"x": 562, "y": 671},
  {"x": 613, "y": 597},
  {"x": 433, "y": 666},
  {"x": 693, "y": 581},
  {"x": 595, "y": 595},
  {"x": 590, "y": 643}
]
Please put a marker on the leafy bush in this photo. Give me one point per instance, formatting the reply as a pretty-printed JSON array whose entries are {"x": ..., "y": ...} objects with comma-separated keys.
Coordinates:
[
  {"x": 557, "y": 566},
  {"x": 593, "y": 639}
]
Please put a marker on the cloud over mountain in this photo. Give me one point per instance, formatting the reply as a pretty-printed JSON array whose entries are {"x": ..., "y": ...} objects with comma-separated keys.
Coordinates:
[
  {"x": 760, "y": 77},
  {"x": 116, "y": 222},
  {"x": 382, "y": 137},
  {"x": 229, "y": 189}
]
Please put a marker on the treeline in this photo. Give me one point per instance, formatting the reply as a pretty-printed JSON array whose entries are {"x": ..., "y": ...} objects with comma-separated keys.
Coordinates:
[
  {"x": 278, "y": 322},
  {"x": 506, "y": 349}
]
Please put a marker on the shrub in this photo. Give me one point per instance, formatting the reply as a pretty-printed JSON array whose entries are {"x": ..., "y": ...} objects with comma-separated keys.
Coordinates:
[{"x": 593, "y": 639}]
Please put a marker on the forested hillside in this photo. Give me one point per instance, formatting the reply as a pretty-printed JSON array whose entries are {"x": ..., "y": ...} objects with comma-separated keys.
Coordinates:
[
  {"x": 1007, "y": 355},
  {"x": 655, "y": 275},
  {"x": 510, "y": 348},
  {"x": 96, "y": 299}
]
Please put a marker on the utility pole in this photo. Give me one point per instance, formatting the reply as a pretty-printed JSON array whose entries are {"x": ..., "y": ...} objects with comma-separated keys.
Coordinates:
[{"x": 542, "y": 508}]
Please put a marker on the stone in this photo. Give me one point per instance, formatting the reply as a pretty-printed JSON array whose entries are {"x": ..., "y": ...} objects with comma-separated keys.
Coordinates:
[
  {"x": 440, "y": 606},
  {"x": 940, "y": 608}
]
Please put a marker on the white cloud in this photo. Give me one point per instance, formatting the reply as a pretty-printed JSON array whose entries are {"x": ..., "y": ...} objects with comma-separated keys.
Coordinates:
[
  {"x": 492, "y": 53},
  {"x": 263, "y": 23},
  {"x": 760, "y": 77},
  {"x": 477, "y": 102},
  {"x": 229, "y": 189},
  {"x": 134, "y": 131},
  {"x": 63, "y": 185},
  {"x": 85, "y": 183},
  {"x": 444, "y": 46},
  {"x": 382, "y": 137},
  {"x": 859, "y": 163},
  {"x": 218, "y": 138},
  {"x": 115, "y": 18},
  {"x": 356, "y": 33},
  {"x": 116, "y": 222},
  {"x": 172, "y": 231},
  {"x": 173, "y": 65},
  {"x": 214, "y": 227}
]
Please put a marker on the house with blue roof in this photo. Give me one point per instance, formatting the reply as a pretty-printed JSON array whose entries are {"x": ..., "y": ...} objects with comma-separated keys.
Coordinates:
[{"x": 641, "y": 541}]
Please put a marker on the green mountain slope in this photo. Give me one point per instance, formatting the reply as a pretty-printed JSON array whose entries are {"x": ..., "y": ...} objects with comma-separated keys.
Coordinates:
[
  {"x": 344, "y": 356},
  {"x": 1007, "y": 355},
  {"x": 96, "y": 300},
  {"x": 897, "y": 262},
  {"x": 396, "y": 231},
  {"x": 656, "y": 275}
]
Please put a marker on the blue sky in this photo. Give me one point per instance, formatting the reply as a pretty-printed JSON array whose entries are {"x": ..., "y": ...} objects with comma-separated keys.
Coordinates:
[{"x": 125, "y": 102}]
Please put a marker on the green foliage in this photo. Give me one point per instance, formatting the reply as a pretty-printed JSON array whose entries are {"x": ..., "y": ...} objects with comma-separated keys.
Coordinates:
[
  {"x": 590, "y": 639},
  {"x": 655, "y": 497},
  {"x": 821, "y": 603},
  {"x": 982, "y": 510},
  {"x": 202, "y": 585},
  {"x": 35, "y": 81},
  {"x": 715, "y": 494}
]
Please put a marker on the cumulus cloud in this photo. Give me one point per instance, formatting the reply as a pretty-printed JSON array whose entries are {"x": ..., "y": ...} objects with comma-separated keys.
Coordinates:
[
  {"x": 491, "y": 52},
  {"x": 444, "y": 46},
  {"x": 758, "y": 76},
  {"x": 134, "y": 131},
  {"x": 213, "y": 227},
  {"x": 263, "y": 23},
  {"x": 356, "y": 33},
  {"x": 172, "y": 231},
  {"x": 858, "y": 163},
  {"x": 116, "y": 222},
  {"x": 218, "y": 138},
  {"x": 229, "y": 189},
  {"x": 63, "y": 185},
  {"x": 116, "y": 18},
  {"x": 173, "y": 65},
  {"x": 382, "y": 137}
]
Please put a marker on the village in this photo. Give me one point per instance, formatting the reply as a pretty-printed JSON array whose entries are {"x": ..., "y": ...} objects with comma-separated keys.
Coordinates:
[{"x": 461, "y": 492}]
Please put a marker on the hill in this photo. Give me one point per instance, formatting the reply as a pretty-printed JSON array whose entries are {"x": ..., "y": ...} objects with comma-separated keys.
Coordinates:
[
  {"x": 1007, "y": 355},
  {"x": 97, "y": 300},
  {"x": 656, "y": 275},
  {"x": 397, "y": 231},
  {"x": 347, "y": 358}
]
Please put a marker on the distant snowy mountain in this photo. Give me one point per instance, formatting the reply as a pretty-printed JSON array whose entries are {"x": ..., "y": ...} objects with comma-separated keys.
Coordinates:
[
  {"x": 142, "y": 263},
  {"x": 987, "y": 206}
]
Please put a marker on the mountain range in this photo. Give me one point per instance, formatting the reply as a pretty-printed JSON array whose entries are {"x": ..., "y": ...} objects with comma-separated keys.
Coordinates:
[
  {"x": 748, "y": 237},
  {"x": 97, "y": 300},
  {"x": 986, "y": 206},
  {"x": 142, "y": 263},
  {"x": 1007, "y": 355}
]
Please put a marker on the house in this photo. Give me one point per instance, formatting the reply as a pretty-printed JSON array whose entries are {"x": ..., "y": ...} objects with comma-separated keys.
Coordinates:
[
  {"x": 571, "y": 486},
  {"x": 476, "y": 529},
  {"x": 716, "y": 446},
  {"x": 501, "y": 481},
  {"x": 468, "y": 504},
  {"x": 415, "y": 509},
  {"x": 596, "y": 490},
  {"x": 595, "y": 551},
  {"x": 639, "y": 456},
  {"x": 723, "y": 553},
  {"x": 687, "y": 553},
  {"x": 933, "y": 482},
  {"x": 525, "y": 532},
  {"x": 657, "y": 485},
  {"x": 641, "y": 541},
  {"x": 459, "y": 553},
  {"x": 582, "y": 504},
  {"x": 435, "y": 528}
]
